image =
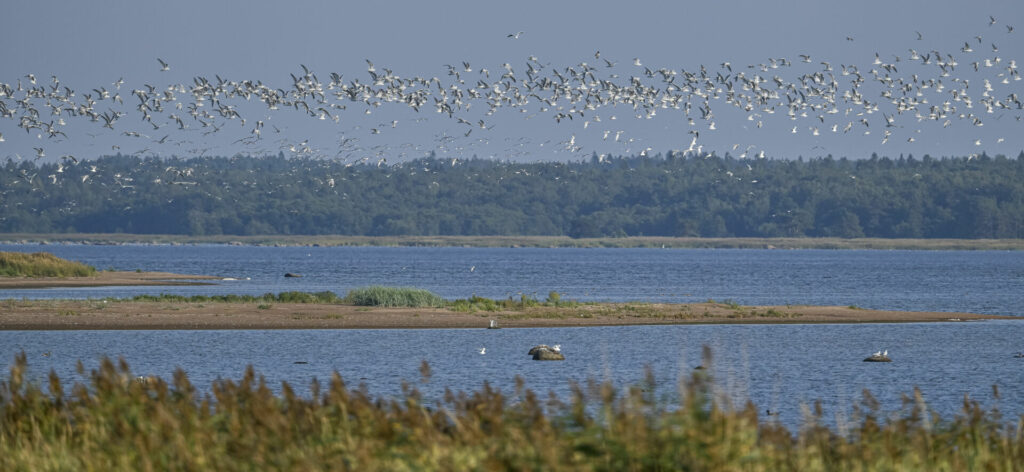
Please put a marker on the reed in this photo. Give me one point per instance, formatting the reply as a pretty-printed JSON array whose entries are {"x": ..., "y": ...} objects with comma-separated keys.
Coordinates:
[
  {"x": 41, "y": 264},
  {"x": 393, "y": 297},
  {"x": 119, "y": 422},
  {"x": 326, "y": 297}
]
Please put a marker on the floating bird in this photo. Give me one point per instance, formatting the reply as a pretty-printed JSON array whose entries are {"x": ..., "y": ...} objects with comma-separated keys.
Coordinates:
[{"x": 483, "y": 351}]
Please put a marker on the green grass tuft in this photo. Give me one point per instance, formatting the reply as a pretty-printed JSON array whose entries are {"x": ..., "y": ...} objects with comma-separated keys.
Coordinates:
[
  {"x": 41, "y": 264},
  {"x": 393, "y": 297}
]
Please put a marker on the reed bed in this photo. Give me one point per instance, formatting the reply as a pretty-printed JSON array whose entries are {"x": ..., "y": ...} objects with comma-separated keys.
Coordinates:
[
  {"x": 327, "y": 297},
  {"x": 393, "y": 297},
  {"x": 40, "y": 264},
  {"x": 119, "y": 422}
]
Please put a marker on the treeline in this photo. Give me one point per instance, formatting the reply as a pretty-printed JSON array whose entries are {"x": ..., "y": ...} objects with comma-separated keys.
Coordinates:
[{"x": 673, "y": 195}]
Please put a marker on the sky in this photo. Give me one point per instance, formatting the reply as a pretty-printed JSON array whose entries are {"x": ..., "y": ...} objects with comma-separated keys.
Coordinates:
[{"x": 89, "y": 45}]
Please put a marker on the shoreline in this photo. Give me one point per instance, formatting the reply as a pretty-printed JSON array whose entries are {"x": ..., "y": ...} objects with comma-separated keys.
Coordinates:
[
  {"x": 164, "y": 315},
  {"x": 666, "y": 242},
  {"x": 107, "y": 279}
]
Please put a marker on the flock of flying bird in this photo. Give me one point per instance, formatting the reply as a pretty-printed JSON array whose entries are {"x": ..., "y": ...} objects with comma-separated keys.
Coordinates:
[{"x": 891, "y": 98}]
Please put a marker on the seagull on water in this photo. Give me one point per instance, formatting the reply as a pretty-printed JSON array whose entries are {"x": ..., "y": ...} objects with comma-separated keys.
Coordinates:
[{"x": 483, "y": 351}]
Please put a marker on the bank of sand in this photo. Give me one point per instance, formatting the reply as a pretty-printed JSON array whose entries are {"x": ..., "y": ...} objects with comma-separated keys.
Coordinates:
[
  {"x": 97, "y": 314},
  {"x": 107, "y": 279}
]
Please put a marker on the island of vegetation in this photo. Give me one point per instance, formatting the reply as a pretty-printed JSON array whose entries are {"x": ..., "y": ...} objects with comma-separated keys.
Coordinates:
[
  {"x": 410, "y": 308},
  {"x": 44, "y": 270}
]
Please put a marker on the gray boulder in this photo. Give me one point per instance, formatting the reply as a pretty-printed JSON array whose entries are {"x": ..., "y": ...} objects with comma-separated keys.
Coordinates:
[{"x": 544, "y": 352}]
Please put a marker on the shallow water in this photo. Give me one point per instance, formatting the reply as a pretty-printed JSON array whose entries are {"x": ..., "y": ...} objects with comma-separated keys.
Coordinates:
[
  {"x": 776, "y": 366},
  {"x": 990, "y": 282}
]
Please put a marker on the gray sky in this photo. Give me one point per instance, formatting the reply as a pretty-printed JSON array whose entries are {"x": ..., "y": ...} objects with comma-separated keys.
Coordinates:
[{"x": 92, "y": 44}]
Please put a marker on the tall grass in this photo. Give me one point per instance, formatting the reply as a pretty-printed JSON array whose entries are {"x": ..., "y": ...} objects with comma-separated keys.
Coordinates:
[
  {"x": 116, "y": 422},
  {"x": 475, "y": 303},
  {"x": 393, "y": 297},
  {"x": 40, "y": 264},
  {"x": 283, "y": 297}
]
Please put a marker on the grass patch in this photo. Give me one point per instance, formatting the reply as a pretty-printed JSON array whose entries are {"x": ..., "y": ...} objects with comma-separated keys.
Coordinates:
[
  {"x": 41, "y": 264},
  {"x": 474, "y": 304},
  {"x": 117, "y": 421},
  {"x": 326, "y": 297},
  {"x": 393, "y": 297}
]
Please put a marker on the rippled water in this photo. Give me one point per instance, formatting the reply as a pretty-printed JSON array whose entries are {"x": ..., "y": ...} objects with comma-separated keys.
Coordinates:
[
  {"x": 973, "y": 281},
  {"x": 776, "y": 366}
]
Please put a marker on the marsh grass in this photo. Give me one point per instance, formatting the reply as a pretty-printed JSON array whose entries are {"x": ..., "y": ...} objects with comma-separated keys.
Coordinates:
[
  {"x": 393, "y": 297},
  {"x": 118, "y": 421},
  {"x": 41, "y": 264},
  {"x": 475, "y": 303},
  {"x": 327, "y": 297}
]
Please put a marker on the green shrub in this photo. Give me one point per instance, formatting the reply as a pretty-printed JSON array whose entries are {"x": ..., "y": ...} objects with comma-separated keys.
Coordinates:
[
  {"x": 41, "y": 264},
  {"x": 393, "y": 297}
]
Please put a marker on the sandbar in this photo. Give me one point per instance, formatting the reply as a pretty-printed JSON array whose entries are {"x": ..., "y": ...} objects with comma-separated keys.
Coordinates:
[
  {"x": 156, "y": 315},
  {"x": 107, "y": 278}
]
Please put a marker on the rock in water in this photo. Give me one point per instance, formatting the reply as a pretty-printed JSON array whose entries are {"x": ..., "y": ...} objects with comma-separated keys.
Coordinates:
[
  {"x": 538, "y": 347},
  {"x": 290, "y": 274},
  {"x": 546, "y": 355},
  {"x": 878, "y": 359},
  {"x": 543, "y": 352}
]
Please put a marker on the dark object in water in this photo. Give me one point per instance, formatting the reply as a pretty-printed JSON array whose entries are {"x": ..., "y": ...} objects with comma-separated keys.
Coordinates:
[
  {"x": 300, "y": 362},
  {"x": 289, "y": 274},
  {"x": 1019, "y": 355},
  {"x": 878, "y": 358},
  {"x": 543, "y": 352}
]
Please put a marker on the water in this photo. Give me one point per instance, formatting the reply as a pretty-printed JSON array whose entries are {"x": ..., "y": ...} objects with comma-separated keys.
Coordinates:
[
  {"x": 990, "y": 282},
  {"x": 779, "y": 367}
]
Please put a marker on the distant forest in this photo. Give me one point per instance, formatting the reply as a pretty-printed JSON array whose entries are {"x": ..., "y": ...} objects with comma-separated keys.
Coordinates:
[{"x": 980, "y": 197}]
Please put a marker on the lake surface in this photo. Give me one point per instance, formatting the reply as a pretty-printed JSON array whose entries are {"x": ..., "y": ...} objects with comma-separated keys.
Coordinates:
[
  {"x": 990, "y": 282},
  {"x": 777, "y": 366}
]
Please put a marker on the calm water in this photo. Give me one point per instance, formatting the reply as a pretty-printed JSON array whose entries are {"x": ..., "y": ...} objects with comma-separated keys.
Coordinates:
[
  {"x": 776, "y": 366},
  {"x": 973, "y": 281}
]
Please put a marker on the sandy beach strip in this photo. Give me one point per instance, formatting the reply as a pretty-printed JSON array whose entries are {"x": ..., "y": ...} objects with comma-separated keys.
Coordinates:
[
  {"x": 107, "y": 279},
  {"x": 155, "y": 315}
]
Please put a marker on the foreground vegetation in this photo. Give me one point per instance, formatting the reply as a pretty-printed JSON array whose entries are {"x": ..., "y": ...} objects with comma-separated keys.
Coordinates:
[
  {"x": 118, "y": 422},
  {"x": 663, "y": 195},
  {"x": 40, "y": 264}
]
